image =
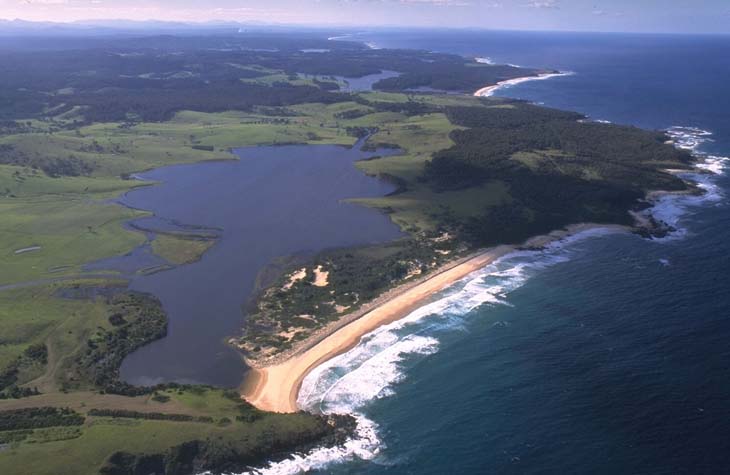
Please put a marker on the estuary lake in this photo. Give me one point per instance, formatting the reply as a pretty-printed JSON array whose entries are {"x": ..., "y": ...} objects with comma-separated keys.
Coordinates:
[{"x": 272, "y": 202}]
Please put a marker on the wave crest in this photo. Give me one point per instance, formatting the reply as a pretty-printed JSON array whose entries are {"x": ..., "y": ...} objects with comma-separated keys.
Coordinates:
[{"x": 671, "y": 208}]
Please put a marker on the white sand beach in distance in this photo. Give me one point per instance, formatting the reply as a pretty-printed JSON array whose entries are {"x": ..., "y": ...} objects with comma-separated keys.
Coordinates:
[{"x": 490, "y": 90}]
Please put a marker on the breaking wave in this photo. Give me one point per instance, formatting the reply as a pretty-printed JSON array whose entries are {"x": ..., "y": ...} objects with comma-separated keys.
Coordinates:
[
  {"x": 491, "y": 90},
  {"x": 484, "y": 60},
  {"x": 670, "y": 208}
]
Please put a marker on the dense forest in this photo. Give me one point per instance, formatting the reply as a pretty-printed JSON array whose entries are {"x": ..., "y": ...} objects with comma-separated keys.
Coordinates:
[
  {"x": 155, "y": 105},
  {"x": 150, "y": 80},
  {"x": 136, "y": 320},
  {"x": 452, "y": 76},
  {"x": 355, "y": 276},
  {"x": 559, "y": 168}
]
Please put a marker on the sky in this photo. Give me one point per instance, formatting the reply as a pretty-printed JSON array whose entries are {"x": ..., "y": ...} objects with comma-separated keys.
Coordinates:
[{"x": 668, "y": 16}]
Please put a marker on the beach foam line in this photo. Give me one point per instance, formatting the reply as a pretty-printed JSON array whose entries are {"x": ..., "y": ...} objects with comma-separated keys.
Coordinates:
[
  {"x": 341, "y": 37},
  {"x": 347, "y": 382},
  {"x": 365, "y": 445},
  {"x": 491, "y": 90},
  {"x": 670, "y": 208},
  {"x": 484, "y": 60}
]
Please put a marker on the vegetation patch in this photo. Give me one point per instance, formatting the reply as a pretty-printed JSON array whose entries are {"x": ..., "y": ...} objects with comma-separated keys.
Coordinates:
[
  {"x": 38, "y": 417},
  {"x": 181, "y": 250},
  {"x": 31, "y": 362},
  {"x": 303, "y": 301},
  {"x": 135, "y": 321}
]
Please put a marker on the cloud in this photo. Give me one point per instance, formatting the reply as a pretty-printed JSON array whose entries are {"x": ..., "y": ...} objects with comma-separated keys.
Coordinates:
[
  {"x": 543, "y": 4},
  {"x": 433, "y": 3},
  {"x": 438, "y": 3},
  {"x": 45, "y": 2},
  {"x": 599, "y": 12}
]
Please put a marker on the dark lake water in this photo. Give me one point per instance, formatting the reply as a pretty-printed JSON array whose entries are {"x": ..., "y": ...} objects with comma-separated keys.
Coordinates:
[
  {"x": 365, "y": 83},
  {"x": 272, "y": 202}
]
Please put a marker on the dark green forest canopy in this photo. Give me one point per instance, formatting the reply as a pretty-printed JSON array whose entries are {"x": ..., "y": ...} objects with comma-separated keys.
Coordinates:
[
  {"x": 452, "y": 76},
  {"x": 560, "y": 168},
  {"x": 151, "y": 79}
]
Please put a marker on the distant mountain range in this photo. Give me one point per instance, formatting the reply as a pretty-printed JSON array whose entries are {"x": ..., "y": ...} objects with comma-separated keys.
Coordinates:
[{"x": 20, "y": 27}]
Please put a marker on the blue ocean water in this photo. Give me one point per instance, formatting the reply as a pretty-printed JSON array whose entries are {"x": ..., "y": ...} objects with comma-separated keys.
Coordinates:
[{"x": 605, "y": 354}]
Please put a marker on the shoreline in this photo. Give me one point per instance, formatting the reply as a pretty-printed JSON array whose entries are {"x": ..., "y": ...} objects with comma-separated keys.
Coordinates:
[
  {"x": 274, "y": 385},
  {"x": 489, "y": 91}
]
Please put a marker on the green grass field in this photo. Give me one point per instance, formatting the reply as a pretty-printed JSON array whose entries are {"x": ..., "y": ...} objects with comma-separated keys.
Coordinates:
[
  {"x": 58, "y": 224},
  {"x": 64, "y": 317},
  {"x": 84, "y": 450},
  {"x": 49, "y": 236},
  {"x": 419, "y": 137},
  {"x": 38, "y": 315},
  {"x": 180, "y": 249}
]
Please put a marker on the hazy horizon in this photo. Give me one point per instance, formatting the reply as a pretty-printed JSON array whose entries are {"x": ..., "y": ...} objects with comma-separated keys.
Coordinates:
[{"x": 650, "y": 16}]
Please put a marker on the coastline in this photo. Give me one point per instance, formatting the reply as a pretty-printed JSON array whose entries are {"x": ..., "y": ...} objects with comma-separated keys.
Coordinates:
[
  {"x": 489, "y": 91},
  {"x": 275, "y": 386}
]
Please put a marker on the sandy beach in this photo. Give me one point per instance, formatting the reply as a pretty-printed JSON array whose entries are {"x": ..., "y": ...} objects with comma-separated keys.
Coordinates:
[
  {"x": 275, "y": 388},
  {"x": 490, "y": 90}
]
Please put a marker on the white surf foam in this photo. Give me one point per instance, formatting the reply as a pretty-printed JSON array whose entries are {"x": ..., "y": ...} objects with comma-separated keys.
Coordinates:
[
  {"x": 671, "y": 208},
  {"x": 484, "y": 60},
  {"x": 688, "y": 138},
  {"x": 364, "y": 445},
  {"x": 341, "y": 37},
  {"x": 491, "y": 90}
]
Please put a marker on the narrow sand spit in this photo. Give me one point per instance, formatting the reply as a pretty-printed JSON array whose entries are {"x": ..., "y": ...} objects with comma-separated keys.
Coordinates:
[{"x": 275, "y": 388}]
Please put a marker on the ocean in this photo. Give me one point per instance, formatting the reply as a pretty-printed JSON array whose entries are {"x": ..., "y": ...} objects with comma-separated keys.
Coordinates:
[{"x": 606, "y": 353}]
